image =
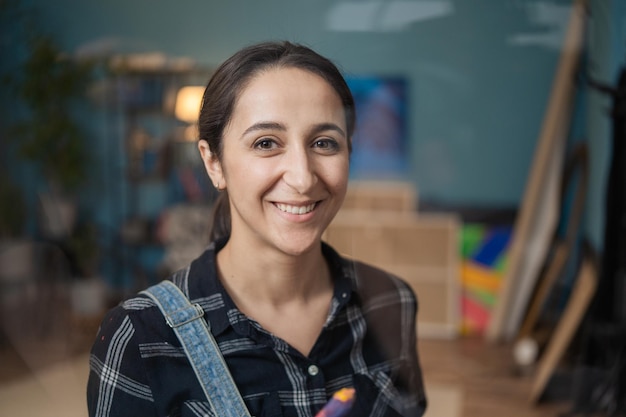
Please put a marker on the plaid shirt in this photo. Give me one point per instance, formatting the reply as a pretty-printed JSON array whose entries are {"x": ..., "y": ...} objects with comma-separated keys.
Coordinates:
[{"x": 139, "y": 369}]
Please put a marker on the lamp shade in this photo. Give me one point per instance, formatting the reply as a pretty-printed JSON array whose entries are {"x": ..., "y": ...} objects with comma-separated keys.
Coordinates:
[{"x": 188, "y": 101}]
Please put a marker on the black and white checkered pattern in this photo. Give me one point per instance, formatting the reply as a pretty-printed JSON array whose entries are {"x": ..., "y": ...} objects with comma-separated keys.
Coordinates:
[{"x": 139, "y": 369}]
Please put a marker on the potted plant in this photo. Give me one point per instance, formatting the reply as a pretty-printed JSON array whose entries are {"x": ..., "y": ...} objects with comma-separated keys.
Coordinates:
[{"x": 51, "y": 85}]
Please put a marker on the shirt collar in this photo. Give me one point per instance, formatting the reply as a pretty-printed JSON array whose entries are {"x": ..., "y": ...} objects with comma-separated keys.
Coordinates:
[
  {"x": 204, "y": 282},
  {"x": 342, "y": 271}
]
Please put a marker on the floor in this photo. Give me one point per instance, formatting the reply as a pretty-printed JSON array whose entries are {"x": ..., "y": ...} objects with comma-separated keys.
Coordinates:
[
  {"x": 44, "y": 367},
  {"x": 481, "y": 379},
  {"x": 44, "y": 373},
  {"x": 45, "y": 376}
]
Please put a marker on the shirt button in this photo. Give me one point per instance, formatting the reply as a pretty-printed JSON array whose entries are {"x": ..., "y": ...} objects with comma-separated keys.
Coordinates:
[
  {"x": 313, "y": 370},
  {"x": 344, "y": 295}
]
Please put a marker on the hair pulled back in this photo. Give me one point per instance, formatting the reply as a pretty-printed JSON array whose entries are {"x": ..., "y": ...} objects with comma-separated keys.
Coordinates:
[{"x": 229, "y": 80}]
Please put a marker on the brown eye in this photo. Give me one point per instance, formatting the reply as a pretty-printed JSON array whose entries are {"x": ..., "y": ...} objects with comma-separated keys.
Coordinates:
[
  {"x": 264, "y": 144},
  {"x": 326, "y": 144}
]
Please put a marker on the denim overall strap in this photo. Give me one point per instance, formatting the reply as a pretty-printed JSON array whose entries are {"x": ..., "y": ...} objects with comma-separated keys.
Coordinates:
[{"x": 193, "y": 331}]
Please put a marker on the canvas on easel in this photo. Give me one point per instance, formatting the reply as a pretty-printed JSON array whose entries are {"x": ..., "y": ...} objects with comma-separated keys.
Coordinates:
[
  {"x": 575, "y": 179},
  {"x": 538, "y": 215}
]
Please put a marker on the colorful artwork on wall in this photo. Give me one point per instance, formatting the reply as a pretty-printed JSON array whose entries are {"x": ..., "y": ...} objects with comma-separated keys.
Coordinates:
[{"x": 381, "y": 136}]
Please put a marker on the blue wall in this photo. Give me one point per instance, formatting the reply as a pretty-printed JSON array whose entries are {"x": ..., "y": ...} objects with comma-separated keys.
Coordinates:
[
  {"x": 479, "y": 72},
  {"x": 477, "y": 99}
]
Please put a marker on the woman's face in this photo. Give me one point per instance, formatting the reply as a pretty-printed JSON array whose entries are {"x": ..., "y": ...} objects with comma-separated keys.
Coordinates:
[{"x": 285, "y": 160}]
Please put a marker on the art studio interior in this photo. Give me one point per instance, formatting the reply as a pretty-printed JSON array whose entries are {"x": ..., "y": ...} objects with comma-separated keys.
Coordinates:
[{"x": 488, "y": 170}]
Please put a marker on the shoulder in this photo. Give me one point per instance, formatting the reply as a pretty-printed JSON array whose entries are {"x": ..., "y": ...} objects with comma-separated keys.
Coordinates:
[
  {"x": 374, "y": 285},
  {"x": 138, "y": 315},
  {"x": 389, "y": 307},
  {"x": 146, "y": 317},
  {"x": 130, "y": 319},
  {"x": 378, "y": 286},
  {"x": 365, "y": 277}
]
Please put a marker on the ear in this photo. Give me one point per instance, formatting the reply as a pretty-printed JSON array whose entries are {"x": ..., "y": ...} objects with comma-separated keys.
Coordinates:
[{"x": 212, "y": 165}]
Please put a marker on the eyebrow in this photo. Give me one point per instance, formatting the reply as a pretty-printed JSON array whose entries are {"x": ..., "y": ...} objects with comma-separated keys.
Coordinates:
[
  {"x": 264, "y": 126},
  {"x": 322, "y": 127},
  {"x": 318, "y": 128}
]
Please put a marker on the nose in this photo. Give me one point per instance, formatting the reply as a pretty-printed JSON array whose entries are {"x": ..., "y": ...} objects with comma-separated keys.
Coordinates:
[{"x": 299, "y": 170}]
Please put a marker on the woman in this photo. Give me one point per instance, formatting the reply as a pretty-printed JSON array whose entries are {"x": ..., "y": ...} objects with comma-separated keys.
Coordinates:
[{"x": 294, "y": 321}]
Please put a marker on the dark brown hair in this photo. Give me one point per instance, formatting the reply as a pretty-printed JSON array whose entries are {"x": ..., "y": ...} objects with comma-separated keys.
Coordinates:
[{"x": 231, "y": 78}]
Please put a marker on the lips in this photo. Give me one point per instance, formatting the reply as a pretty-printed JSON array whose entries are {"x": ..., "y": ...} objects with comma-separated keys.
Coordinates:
[{"x": 295, "y": 209}]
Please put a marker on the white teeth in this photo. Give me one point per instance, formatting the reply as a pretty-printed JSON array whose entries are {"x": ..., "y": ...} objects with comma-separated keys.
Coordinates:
[{"x": 295, "y": 209}]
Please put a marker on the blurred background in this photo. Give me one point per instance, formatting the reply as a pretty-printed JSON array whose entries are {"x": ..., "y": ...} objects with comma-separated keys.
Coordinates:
[{"x": 494, "y": 127}]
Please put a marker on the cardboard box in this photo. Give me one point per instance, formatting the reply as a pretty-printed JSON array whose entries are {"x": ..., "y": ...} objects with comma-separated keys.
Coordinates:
[{"x": 381, "y": 195}]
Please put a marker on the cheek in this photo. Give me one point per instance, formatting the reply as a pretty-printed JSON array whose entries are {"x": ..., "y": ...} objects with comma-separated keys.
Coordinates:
[
  {"x": 253, "y": 175},
  {"x": 336, "y": 175}
]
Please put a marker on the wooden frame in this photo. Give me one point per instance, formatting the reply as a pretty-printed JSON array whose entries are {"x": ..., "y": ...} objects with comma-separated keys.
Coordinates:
[
  {"x": 577, "y": 305},
  {"x": 538, "y": 215}
]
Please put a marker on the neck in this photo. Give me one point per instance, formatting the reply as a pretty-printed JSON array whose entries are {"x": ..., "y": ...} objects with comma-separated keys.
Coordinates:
[
  {"x": 270, "y": 276},
  {"x": 288, "y": 295}
]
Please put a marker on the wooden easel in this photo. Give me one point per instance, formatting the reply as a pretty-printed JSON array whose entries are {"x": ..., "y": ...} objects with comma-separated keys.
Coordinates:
[
  {"x": 536, "y": 220},
  {"x": 578, "y": 162},
  {"x": 577, "y": 305}
]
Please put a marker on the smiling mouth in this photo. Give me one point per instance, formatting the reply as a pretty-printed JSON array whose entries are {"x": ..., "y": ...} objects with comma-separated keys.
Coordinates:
[{"x": 288, "y": 208}]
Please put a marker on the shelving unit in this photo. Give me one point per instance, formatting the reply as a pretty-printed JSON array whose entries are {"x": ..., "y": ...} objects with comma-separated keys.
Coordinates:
[{"x": 152, "y": 167}]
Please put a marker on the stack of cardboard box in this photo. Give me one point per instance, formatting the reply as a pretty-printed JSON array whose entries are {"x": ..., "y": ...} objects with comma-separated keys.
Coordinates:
[{"x": 381, "y": 225}]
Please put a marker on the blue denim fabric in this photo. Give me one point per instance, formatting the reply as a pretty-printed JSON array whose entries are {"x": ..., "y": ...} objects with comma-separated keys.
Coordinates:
[{"x": 186, "y": 320}]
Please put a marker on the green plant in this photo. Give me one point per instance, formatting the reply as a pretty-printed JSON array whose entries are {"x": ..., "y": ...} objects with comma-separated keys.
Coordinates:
[{"x": 50, "y": 84}]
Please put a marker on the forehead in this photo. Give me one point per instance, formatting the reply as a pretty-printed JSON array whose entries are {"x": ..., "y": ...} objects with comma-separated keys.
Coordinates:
[
  {"x": 272, "y": 72},
  {"x": 277, "y": 84}
]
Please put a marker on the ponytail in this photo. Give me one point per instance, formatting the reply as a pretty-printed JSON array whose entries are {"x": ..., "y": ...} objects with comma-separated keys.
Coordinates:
[{"x": 220, "y": 218}]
